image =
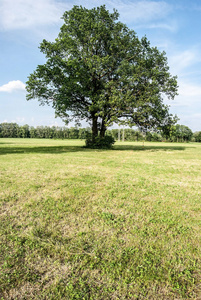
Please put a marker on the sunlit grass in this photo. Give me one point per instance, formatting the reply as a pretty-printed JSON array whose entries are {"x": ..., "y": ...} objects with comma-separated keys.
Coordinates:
[{"x": 99, "y": 224}]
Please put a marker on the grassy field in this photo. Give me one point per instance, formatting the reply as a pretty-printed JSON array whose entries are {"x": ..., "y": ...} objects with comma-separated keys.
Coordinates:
[{"x": 99, "y": 224}]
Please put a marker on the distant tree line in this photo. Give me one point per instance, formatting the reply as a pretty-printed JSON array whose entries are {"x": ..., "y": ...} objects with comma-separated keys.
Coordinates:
[
  {"x": 13, "y": 130},
  {"x": 177, "y": 133}
]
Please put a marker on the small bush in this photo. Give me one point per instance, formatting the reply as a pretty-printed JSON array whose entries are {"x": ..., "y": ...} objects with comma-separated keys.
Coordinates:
[{"x": 100, "y": 142}]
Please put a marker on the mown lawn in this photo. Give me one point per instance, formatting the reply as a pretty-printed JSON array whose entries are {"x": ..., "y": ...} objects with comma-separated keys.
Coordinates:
[{"x": 99, "y": 224}]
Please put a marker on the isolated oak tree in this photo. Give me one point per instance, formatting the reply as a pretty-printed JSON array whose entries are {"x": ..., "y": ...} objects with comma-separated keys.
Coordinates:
[{"x": 98, "y": 70}]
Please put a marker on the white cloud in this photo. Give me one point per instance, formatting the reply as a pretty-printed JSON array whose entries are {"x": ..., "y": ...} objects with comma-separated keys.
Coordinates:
[
  {"x": 20, "y": 120},
  {"x": 189, "y": 96},
  {"x": 184, "y": 59},
  {"x": 54, "y": 123},
  {"x": 197, "y": 116},
  {"x": 171, "y": 26},
  {"x": 15, "y": 85},
  {"x": 23, "y": 14},
  {"x": 142, "y": 11},
  {"x": 133, "y": 11},
  {"x": 190, "y": 90}
]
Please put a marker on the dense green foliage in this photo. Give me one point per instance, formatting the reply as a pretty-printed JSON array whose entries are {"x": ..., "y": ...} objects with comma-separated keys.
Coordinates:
[
  {"x": 79, "y": 223},
  {"x": 105, "y": 142},
  {"x": 180, "y": 133},
  {"x": 97, "y": 69},
  {"x": 197, "y": 136},
  {"x": 13, "y": 130}
]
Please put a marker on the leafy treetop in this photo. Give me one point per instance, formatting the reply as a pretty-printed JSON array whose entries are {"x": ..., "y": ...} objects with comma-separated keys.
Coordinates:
[{"x": 97, "y": 69}]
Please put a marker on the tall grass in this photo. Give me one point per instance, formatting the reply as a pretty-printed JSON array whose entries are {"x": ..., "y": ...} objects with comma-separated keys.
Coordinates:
[{"x": 99, "y": 224}]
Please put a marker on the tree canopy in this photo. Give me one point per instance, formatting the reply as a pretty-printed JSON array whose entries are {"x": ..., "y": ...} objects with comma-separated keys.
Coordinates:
[{"x": 98, "y": 70}]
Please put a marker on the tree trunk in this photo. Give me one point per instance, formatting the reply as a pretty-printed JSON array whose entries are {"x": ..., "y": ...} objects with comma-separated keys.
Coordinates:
[
  {"x": 94, "y": 127},
  {"x": 103, "y": 129}
]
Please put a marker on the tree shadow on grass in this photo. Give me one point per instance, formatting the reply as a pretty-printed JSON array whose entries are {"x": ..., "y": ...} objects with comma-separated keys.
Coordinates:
[
  {"x": 67, "y": 149},
  {"x": 42, "y": 149},
  {"x": 150, "y": 148}
]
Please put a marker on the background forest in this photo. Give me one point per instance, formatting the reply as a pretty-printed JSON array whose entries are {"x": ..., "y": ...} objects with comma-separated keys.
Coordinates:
[{"x": 178, "y": 133}]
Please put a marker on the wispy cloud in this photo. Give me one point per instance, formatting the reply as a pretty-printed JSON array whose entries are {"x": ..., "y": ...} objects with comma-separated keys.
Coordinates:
[
  {"x": 18, "y": 120},
  {"x": 23, "y": 14},
  {"x": 11, "y": 86},
  {"x": 134, "y": 12},
  {"x": 170, "y": 26},
  {"x": 190, "y": 90},
  {"x": 184, "y": 59},
  {"x": 189, "y": 96},
  {"x": 142, "y": 11}
]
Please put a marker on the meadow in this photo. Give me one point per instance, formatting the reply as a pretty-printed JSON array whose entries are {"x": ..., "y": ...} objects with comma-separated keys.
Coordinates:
[{"x": 86, "y": 224}]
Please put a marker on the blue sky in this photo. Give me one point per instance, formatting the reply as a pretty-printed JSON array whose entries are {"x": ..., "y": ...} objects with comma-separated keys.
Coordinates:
[{"x": 172, "y": 26}]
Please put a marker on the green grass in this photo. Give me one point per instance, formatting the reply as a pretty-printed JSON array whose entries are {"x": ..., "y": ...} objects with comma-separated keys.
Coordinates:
[{"x": 85, "y": 224}]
